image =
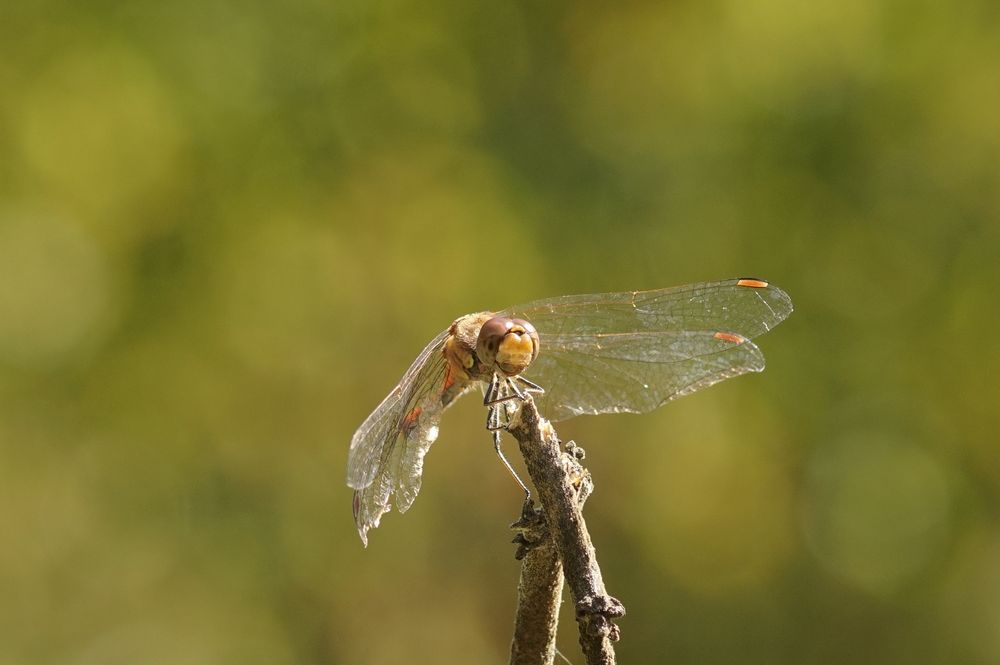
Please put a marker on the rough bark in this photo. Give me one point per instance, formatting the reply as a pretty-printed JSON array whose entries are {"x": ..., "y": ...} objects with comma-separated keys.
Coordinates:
[
  {"x": 562, "y": 485},
  {"x": 539, "y": 593}
]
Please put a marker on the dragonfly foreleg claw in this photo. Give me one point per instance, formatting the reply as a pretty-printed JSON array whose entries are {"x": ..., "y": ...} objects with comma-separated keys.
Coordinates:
[
  {"x": 528, "y": 507},
  {"x": 529, "y": 386}
]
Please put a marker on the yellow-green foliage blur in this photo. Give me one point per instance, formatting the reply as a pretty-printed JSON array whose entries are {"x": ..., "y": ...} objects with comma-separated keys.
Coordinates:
[{"x": 227, "y": 228}]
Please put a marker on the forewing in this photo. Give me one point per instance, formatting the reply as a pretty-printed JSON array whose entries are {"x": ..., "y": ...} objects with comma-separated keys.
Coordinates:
[
  {"x": 735, "y": 305},
  {"x": 634, "y": 372},
  {"x": 387, "y": 451}
]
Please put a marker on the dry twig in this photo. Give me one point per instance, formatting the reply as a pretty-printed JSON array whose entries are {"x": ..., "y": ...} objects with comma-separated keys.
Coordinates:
[{"x": 553, "y": 541}]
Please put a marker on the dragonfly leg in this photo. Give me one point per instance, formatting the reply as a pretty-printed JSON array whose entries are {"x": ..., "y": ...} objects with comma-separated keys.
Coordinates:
[
  {"x": 510, "y": 469},
  {"x": 501, "y": 400},
  {"x": 493, "y": 422},
  {"x": 492, "y": 391},
  {"x": 528, "y": 507},
  {"x": 515, "y": 389},
  {"x": 507, "y": 388},
  {"x": 499, "y": 393},
  {"x": 502, "y": 390},
  {"x": 529, "y": 386}
]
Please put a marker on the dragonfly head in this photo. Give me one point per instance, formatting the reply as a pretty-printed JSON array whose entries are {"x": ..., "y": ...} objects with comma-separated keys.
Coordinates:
[{"x": 510, "y": 345}]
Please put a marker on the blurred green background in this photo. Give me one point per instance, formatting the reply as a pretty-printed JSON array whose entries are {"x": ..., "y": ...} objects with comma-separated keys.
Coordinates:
[{"x": 227, "y": 228}]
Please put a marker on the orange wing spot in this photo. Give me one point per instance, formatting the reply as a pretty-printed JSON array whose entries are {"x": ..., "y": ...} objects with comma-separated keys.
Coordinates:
[
  {"x": 409, "y": 421},
  {"x": 730, "y": 337},
  {"x": 751, "y": 282}
]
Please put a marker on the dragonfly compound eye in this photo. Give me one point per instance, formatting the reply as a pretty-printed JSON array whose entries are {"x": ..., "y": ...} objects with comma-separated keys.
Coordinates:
[{"x": 507, "y": 344}]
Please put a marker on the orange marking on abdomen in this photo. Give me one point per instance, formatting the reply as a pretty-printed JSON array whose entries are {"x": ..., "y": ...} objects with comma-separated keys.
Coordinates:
[
  {"x": 449, "y": 379},
  {"x": 409, "y": 421},
  {"x": 751, "y": 282},
  {"x": 730, "y": 337}
]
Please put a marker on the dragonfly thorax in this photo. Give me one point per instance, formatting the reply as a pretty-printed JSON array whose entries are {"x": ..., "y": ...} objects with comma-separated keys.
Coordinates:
[{"x": 460, "y": 348}]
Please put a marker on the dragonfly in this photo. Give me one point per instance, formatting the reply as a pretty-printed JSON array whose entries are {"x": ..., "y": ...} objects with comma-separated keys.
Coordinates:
[{"x": 622, "y": 352}]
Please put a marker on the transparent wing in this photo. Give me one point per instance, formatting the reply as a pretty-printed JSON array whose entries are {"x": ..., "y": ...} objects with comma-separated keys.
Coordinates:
[
  {"x": 733, "y": 305},
  {"x": 634, "y": 351},
  {"x": 387, "y": 451},
  {"x": 634, "y": 372}
]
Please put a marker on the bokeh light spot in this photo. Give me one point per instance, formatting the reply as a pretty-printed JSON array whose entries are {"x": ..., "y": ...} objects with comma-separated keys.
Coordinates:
[
  {"x": 878, "y": 510},
  {"x": 53, "y": 289},
  {"x": 97, "y": 131},
  {"x": 724, "y": 511},
  {"x": 971, "y": 598}
]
